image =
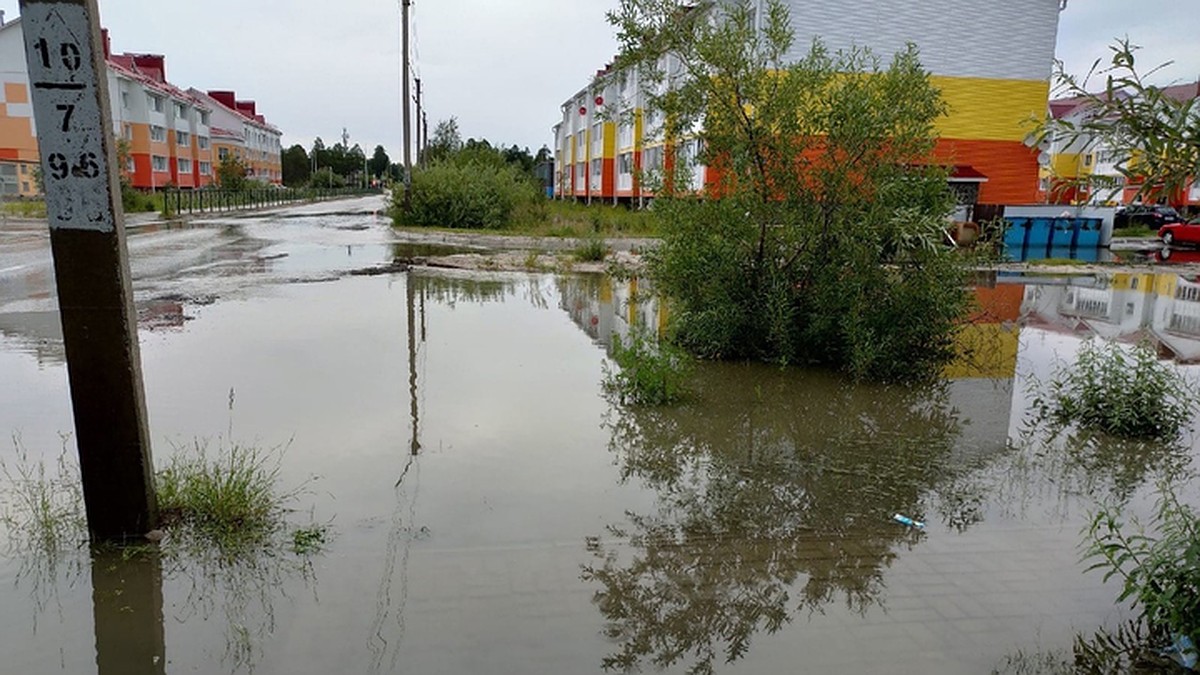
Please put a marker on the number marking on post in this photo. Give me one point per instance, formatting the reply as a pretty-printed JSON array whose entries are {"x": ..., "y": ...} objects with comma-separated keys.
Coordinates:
[{"x": 66, "y": 106}]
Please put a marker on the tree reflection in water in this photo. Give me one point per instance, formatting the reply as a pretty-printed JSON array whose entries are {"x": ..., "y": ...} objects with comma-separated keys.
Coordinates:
[{"x": 775, "y": 492}]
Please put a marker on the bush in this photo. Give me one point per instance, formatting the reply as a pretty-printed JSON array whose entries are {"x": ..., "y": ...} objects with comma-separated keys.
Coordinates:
[
  {"x": 467, "y": 194},
  {"x": 1159, "y": 567},
  {"x": 326, "y": 178},
  {"x": 1123, "y": 392},
  {"x": 821, "y": 236},
  {"x": 648, "y": 372},
  {"x": 135, "y": 201}
]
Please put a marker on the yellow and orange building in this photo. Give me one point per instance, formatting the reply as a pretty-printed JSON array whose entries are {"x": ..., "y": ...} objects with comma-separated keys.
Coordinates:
[
  {"x": 169, "y": 137},
  {"x": 992, "y": 62}
]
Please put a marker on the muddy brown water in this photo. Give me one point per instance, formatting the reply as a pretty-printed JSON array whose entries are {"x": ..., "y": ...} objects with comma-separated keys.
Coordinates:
[{"x": 493, "y": 511}]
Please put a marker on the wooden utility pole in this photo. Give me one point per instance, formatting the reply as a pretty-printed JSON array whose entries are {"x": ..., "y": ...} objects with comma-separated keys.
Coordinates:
[
  {"x": 420, "y": 152},
  {"x": 69, "y": 79},
  {"x": 405, "y": 97}
]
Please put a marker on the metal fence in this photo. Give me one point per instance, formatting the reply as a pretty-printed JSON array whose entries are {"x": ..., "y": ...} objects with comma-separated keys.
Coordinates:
[{"x": 179, "y": 202}]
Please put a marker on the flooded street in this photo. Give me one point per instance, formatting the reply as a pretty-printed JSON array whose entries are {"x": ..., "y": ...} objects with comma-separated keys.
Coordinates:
[{"x": 493, "y": 511}]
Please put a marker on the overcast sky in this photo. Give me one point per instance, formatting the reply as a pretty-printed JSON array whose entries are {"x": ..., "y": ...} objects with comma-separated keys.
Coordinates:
[{"x": 501, "y": 66}]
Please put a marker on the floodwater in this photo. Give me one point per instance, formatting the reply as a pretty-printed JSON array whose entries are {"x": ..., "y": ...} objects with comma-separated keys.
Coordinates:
[{"x": 493, "y": 511}]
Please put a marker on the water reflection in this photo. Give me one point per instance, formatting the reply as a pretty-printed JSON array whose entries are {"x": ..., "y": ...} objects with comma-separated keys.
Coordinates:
[
  {"x": 127, "y": 606},
  {"x": 769, "y": 484},
  {"x": 1162, "y": 308}
]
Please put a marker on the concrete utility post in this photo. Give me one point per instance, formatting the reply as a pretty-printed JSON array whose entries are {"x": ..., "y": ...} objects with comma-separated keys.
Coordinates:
[
  {"x": 405, "y": 99},
  {"x": 70, "y": 98}
]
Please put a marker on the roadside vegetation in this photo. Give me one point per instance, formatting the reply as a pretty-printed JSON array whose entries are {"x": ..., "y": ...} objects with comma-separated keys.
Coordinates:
[
  {"x": 647, "y": 372},
  {"x": 474, "y": 185},
  {"x": 227, "y": 502},
  {"x": 1125, "y": 392},
  {"x": 827, "y": 243},
  {"x": 1158, "y": 565}
]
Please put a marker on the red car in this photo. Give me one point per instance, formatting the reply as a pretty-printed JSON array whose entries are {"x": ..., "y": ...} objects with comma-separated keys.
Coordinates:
[{"x": 1180, "y": 233}]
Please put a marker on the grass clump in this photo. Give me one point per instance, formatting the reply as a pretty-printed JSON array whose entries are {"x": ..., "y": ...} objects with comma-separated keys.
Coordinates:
[
  {"x": 25, "y": 208},
  {"x": 649, "y": 372},
  {"x": 1159, "y": 565},
  {"x": 309, "y": 540},
  {"x": 42, "y": 509},
  {"x": 230, "y": 497},
  {"x": 1127, "y": 393},
  {"x": 591, "y": 249}
]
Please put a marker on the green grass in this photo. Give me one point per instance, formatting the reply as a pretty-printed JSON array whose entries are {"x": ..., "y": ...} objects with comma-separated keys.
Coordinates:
[
  {"x": 591, "y": 249},
  {"x": 41, "y": 508},
  {"x": 25, "y": 208},
  {"x": 567, "y": 220},
  {"x": 1135, "y": 231},
  {"x": 230, "y": 497}
]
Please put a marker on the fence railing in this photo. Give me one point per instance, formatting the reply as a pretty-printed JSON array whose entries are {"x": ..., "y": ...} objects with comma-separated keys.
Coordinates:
[{"x": 180, "y": 202}]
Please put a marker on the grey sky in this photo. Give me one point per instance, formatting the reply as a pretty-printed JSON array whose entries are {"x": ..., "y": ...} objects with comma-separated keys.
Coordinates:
[{"x": 501, "y": 66}]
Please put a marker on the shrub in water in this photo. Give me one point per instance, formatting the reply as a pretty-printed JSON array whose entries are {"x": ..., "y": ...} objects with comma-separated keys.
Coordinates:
[
  {"x": 1123, "y": 392},
  {"x": 1159, "y": 566},
  {"x": 648, "y": 372}
]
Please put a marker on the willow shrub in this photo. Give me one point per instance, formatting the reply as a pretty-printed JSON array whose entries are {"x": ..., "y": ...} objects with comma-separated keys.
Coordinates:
[
  {"x": 822, "y": 237},
  {"x": 466, "y": 193},
  {"x": 1125, "y": 392}
]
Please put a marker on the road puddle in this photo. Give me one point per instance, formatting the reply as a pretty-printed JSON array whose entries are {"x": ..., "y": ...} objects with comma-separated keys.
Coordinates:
[{"x": 491, "y": 510}]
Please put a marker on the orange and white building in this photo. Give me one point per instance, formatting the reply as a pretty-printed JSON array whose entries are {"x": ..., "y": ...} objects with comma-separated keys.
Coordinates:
[
  {"x": 170, "y": 137},
  {"x": 991, "y": 60}
]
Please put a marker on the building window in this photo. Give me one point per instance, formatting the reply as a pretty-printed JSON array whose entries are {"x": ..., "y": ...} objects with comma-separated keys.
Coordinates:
[
  {"x": 158, "y": 163},
  {"x": 205, "y": 169},
  {"x": 155, "y": 102},
  {"x": 185, "y": 166},
  {"x": 626, "y": 163},
  {"x": 158, "y": 134},
  {"x": 127, "y": 131},
  {"x": 181, "y": 111},
  {"x": 25, "y": 186},
  {"x": 202, "y": 141},
  {"x": 222, "y": 153},
  {"x": 1087, "y": 159},
  {"x": 204, "y": 118},
  {"x": 183, "y": 138},
  {"x": 125, "y": 100},
  {"x": 130, "y": 167},
  {"x": 24, "y": 169},
  {"x": 597, "y": 166}
]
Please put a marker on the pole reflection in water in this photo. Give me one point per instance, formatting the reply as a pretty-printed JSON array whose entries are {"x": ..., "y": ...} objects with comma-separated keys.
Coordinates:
[
  {"x": 410, "y": 302},
  {"x": 127, "y": 603}
]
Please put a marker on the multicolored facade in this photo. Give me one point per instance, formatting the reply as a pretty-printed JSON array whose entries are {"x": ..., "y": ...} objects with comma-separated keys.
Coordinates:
[
  {"x": 169, "y": 137},
  {"x": 992, "y": 62},
  {"x": 1085, "y": 169}
]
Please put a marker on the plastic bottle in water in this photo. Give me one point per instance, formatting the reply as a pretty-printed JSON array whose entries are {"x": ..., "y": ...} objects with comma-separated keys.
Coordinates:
[{"x": 905, "y": 520}]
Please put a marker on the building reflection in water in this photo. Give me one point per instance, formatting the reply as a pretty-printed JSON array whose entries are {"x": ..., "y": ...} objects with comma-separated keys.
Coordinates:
[{"x": 775, "y": 488}]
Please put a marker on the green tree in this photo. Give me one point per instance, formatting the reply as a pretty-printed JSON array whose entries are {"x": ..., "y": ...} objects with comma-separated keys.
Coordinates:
[
  {"x": 445, "y": 142},
  {"x": 826, "y": 244},
  {"x": 1154, "y": 136},
  {"x": 297, "y": 167},
  {"x": 231, "y": 173},
  {"x": 379, "y": 162}
]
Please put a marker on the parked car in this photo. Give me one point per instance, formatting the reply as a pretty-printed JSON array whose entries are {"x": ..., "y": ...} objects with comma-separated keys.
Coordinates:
[
  {"x": 1150, "y": 215},
  {"x": 1180, "y": 233}
]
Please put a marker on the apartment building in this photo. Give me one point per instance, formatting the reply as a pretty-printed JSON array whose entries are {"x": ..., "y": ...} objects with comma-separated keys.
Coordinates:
[
  {"x": 992, "y": 62},
  {"x": 239, "y": 131},
  {"x": 171, "y": 137},
  {"x": 1085, "y": 170}
]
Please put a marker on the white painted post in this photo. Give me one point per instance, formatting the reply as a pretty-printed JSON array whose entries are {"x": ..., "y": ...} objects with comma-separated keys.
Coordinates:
[{"x": 69, "y": 79}]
